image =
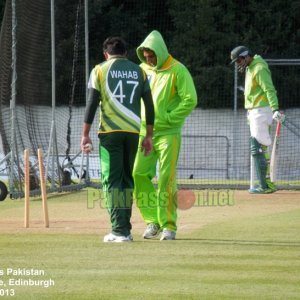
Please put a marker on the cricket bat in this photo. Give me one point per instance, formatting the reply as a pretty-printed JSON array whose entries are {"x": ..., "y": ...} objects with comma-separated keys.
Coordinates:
[{"x": 274, "y": 154}]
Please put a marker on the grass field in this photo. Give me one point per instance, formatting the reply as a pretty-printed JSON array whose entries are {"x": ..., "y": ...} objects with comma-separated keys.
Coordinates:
[{"x": 247, "y": 250}]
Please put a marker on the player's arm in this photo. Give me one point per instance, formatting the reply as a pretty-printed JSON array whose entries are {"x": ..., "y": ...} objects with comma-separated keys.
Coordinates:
[
  {"x": 264, "y": 79},
  {"x": 149, "y": 110},
  {"x": 90, "y": 111},
  {"x": 187, "y": 92},
  {"x": 149, "y": 107},
  {"x": 91, "y": 105}
]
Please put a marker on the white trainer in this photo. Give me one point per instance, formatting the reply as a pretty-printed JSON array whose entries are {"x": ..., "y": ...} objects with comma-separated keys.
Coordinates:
[
  {"x": 151, "y": 231},
  {"x": 167, "y": 235},
  {"x": 112, "y": 238}
]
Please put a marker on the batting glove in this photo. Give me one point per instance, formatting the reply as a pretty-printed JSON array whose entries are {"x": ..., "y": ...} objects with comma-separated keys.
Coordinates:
[{"x": 278, "y": 116}]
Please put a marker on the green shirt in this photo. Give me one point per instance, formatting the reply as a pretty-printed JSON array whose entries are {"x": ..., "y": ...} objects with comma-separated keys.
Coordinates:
[
  {"x": 121, "y": 84},
  {"x": 259, "y": 88}
]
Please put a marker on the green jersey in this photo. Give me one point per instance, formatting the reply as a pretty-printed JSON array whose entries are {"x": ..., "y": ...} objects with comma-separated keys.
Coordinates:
[
  {"x": 259, "y": 88},
  {"x": 121, "y": 84}
]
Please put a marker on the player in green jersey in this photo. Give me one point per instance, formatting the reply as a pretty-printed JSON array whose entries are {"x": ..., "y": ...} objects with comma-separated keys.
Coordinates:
[
  {"x": 174, "y": 98},
  {"x": 261, "y": 103},
  {"x": 118, "y": 85}
]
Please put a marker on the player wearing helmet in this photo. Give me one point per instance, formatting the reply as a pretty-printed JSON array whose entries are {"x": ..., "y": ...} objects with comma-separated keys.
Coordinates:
[{"x": 261, "y": 103}]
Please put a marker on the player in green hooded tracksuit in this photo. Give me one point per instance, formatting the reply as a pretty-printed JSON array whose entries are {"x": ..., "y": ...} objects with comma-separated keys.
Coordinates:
[
  {"x": 174, "y": 98},
  {"x": 261, "y": 103}
]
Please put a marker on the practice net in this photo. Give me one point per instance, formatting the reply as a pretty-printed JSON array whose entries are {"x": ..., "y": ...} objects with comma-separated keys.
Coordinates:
[
  {"x": 34, "y": 110},
  {"x": 215, "y": 141}
]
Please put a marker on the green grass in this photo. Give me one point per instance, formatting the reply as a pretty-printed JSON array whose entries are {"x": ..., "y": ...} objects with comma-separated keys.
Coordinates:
[
  {"x": 239, "y": 255},
  {"x": 194, "y": 269}
]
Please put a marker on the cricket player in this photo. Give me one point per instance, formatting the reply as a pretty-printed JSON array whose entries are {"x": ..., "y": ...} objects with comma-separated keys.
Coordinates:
[
  {"x": 118, "y": 85},
  {"x": 174, "y": 98},
  {"x": 261, "y": 103}
]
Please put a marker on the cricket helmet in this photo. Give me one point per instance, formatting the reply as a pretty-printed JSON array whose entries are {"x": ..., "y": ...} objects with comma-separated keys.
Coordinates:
[{"x": 239, "y": 51}]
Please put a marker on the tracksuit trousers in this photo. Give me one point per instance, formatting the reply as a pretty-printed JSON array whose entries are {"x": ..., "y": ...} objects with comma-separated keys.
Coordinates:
[
  {"x": 117, "y": 154},
  {"x": 158, "y": 206}
]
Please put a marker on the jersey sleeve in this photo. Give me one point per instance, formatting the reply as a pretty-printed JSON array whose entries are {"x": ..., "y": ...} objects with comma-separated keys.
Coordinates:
[
  {"x": 149, "y": 107},
  {"x": 95, "y": 78},
  {"x": 188, "y": 95},
  {"x": 147, "y": 99},
  {"x": 93, "y": 97},
  {"x": 91, "y": 105},
  {"x": 264, "y": 79}
]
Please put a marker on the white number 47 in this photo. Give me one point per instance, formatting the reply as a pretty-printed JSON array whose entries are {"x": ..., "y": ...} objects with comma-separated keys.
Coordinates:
[{"x": 119, "y": 94}]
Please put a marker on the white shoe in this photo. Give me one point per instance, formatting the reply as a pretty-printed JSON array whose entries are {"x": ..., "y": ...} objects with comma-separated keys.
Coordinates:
[
  {"x": 112, "y": 238},
  {"x": 167, "y": 235},
  {"x": 151, "y": 231}
]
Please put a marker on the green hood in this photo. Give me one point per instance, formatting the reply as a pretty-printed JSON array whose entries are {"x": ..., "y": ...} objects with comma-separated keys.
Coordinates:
[
  {"x": 155, "y": 42},
  {"x": 257, "y": 59}
]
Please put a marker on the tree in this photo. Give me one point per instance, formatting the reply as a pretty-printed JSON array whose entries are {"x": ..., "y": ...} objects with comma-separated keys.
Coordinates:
[
  {"x": 2, "y": 6},
  {"x": 205, "y": 31},
  {"x": 199, "y": 33}
]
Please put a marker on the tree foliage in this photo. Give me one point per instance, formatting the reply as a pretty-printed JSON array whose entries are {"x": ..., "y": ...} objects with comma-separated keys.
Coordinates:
[
  {"x": 205, "y": 31},
  {"x": 2, "y": 5},
  {"x": 199, "y": 33}
]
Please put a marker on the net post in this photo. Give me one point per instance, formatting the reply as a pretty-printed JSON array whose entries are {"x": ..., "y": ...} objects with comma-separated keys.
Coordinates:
[
  {"x": 43, "y": 188},
  {"x": 26, "y": 188},
  {"x": 52, "y": 149},
  {"x": 13, "y": 95},
  {"x": 86, "y": 38},
  {"x": 235, "y": 122}
]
